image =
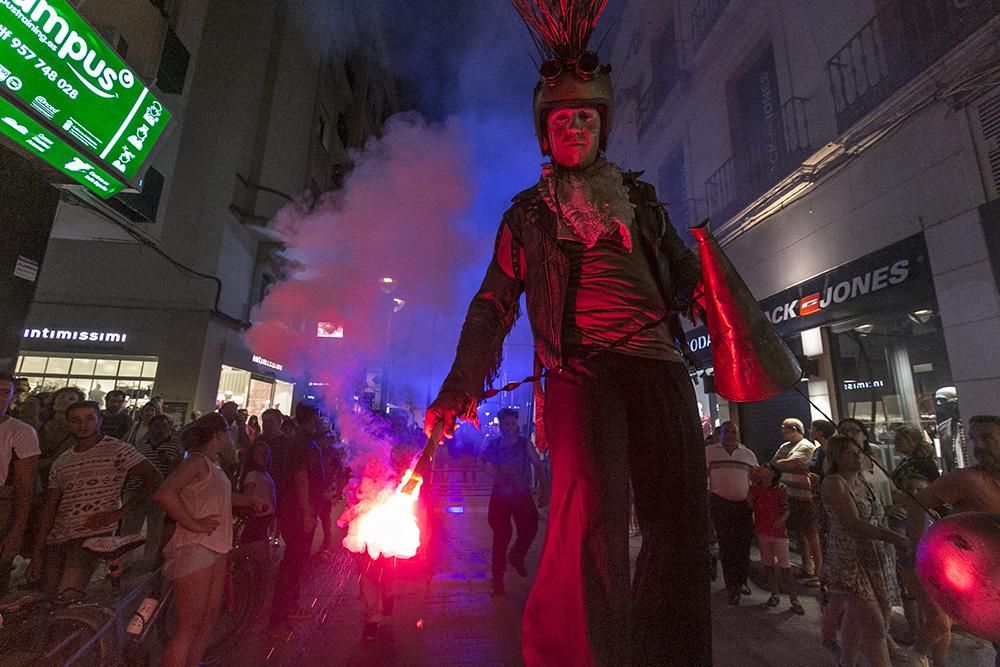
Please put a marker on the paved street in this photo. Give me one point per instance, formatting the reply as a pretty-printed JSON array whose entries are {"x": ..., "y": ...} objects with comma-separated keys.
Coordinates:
[{"x": 449, "y": 619}]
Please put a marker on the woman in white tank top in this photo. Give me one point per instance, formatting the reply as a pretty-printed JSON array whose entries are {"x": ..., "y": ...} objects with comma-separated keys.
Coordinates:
[{"x": 199, "y": 497}]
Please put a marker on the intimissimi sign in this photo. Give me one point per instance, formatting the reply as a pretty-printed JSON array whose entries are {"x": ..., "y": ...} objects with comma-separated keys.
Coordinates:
[
  {"x": 75, "y": 335},
  {"x": 257, "y": 359}
]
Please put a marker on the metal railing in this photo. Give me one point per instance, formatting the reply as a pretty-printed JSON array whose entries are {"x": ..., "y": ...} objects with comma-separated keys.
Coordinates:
[
  {"x": 765, "y": 156},
  {"x": 903, "y": 39},
  {"x": 704, "y": 16}
]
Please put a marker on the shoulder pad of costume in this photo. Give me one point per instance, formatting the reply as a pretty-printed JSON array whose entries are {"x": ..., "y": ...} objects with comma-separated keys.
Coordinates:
[
  {"x": 526, "y": 194},
  {"x": 644, "y": 188}
]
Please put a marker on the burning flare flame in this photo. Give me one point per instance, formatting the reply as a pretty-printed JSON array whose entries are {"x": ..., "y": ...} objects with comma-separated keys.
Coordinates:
[{"x": 384, "y": 524}]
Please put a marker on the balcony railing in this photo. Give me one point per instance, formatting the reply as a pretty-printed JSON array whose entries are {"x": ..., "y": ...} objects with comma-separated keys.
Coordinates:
[
  {"x": 703, "y": 18},
  {"x": 762, "y": 160},
  {"x": 902, "y": 40}
]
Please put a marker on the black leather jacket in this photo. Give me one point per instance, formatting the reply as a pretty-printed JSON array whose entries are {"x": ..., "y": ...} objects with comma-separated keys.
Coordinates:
[{"x": 527, "y": 258}]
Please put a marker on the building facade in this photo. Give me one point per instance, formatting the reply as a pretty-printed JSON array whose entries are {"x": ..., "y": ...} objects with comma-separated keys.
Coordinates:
[
  {"x": 151, "y": 292},
  {"x": 847, "y": 156}
]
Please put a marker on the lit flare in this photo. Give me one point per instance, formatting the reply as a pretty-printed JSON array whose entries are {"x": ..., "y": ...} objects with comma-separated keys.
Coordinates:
[{"x": 385, "y": 525}]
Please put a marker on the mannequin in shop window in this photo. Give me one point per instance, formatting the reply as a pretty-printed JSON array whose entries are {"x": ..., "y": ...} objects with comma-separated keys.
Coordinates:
[{"x": 949, "y": 428}]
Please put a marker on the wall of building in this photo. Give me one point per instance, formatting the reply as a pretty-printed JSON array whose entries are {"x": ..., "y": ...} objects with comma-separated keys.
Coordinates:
[
  {"x": 244, "y": 141},
  {"x": 862, "y": 188}
]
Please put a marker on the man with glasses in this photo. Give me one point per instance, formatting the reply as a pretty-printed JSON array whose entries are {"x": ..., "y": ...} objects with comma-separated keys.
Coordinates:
[{"x": 793, "y": 458}]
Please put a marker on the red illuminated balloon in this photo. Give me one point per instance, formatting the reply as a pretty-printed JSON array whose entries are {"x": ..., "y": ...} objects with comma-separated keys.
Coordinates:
[{"x": 958, "y": 562}]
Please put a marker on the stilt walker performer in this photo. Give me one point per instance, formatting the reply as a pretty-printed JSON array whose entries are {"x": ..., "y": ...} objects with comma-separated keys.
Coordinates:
[{"x": 605, "y": 276}]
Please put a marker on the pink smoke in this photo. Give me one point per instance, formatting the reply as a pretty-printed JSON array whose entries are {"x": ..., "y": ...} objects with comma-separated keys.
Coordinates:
[{"x": 398, "y": 215}]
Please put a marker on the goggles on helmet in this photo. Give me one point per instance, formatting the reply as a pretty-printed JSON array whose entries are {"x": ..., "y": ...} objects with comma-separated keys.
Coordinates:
[{"x": 586, "y": 67}]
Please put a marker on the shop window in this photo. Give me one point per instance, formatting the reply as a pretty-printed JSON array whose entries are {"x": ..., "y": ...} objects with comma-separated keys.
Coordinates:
[
  {"x": 106, "y": 367},
  {"x": 894, "y": 371},
  {"x": 83, "y": 366},
  {"x": 259, "y": 397},
  {"x": 130, "y": 368},
  {"x": 51, "y": 373},
  {"x": 83, "y": 383},
  {"x": 32, "y": 365},
  {"x": 138, "y": 391},
  {"x": 283, "y": 396},
  {"x": 58, "y": 366},
  {"x": 234, "y": 385},
  {"x": 34, "y": 381}
]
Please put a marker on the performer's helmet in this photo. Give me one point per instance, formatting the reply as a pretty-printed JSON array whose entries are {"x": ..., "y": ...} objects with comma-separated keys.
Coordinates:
[
  {"x": 571, "y": 75},
  {"x": 579, "y": 82}
]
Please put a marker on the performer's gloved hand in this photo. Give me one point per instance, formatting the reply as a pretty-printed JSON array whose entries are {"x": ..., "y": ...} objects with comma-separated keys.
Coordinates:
[{"x": 449, "y": 407}]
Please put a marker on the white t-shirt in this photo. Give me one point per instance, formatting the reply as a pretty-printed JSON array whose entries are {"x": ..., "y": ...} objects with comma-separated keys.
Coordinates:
[
  {"x": 18, "y": 438},
  {"x": 90, "y": 483}
]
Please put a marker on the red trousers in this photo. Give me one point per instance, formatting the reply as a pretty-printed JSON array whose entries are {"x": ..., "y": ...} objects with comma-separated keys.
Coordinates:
[{"x": 612, "y": 420}]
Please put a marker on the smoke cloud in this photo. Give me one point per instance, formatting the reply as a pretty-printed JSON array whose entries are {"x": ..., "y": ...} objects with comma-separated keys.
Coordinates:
[
  {"x": 421, "y": 206},
  {"x": 399, "y": 217}
]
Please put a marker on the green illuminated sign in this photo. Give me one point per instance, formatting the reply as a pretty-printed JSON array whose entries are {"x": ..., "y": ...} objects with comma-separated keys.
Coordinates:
[
  {"x": 38, "y": 140},
  {"x": 67, "y": 77}
]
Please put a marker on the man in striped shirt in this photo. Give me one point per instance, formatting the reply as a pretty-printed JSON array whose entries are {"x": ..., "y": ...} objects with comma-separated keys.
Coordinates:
[
  {"x": 162, "y": 448},
  {"x": 729, "y": 464}
]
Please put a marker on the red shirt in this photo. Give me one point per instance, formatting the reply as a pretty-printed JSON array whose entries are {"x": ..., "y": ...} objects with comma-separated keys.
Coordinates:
[{"x": 769, "y": 503}]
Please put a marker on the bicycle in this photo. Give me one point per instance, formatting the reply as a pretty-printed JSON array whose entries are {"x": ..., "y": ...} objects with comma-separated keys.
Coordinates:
[
  {"x": 72, "y": 630},
  {"x": 67, "y": 629}
]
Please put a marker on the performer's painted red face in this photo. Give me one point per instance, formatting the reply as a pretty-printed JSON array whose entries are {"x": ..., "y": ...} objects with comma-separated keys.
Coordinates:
[{"x": 574, "y": 135}]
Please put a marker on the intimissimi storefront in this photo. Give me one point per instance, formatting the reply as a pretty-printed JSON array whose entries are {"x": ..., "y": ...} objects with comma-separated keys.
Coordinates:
[
  {"x": 96, "y": 361},
  {"x": 870, "y": 338}
]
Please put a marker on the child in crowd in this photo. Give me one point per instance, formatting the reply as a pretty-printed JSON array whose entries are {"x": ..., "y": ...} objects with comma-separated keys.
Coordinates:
[{"x": 769, "y": 501}]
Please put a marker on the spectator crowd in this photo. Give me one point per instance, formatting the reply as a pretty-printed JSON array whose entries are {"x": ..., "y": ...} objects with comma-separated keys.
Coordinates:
[
  {"x": 856, "y": 523},
  {"x": 71, "y": 470}
]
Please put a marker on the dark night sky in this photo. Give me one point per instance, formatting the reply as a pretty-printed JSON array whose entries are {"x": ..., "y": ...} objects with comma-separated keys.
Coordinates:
[{"x": 456, "y": 56}]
